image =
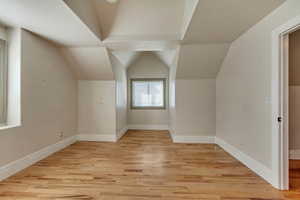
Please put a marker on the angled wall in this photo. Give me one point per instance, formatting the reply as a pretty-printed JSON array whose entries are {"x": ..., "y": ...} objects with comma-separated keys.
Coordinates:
[
  {"x": 121, "y": 95},
  {"x": 244, "y": 88},
  {"x": 48, "y": 100}
]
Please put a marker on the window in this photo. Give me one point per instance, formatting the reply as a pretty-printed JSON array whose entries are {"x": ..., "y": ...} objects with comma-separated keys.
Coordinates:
[
  {"x": 3, "y": 74},
  {"x": 148, "y": 93}
]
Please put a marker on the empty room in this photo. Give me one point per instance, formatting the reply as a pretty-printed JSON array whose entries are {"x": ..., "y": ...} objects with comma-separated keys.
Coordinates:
[{"x": 149, "y": 99}]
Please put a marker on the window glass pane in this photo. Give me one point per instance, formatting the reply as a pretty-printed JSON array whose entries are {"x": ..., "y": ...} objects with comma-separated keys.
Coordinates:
[
  {"x": 156, "y": 93},
  {"x": 148, "y": 93},
  {"x": 140, "y": 94}
]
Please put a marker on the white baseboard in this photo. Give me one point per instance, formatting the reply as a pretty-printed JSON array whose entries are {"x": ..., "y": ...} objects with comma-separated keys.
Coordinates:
[
  {"x": 97, "y": 138},
  {"x": 295, "y": 154},
  {"x": 18, "y": 165},
  {"x": 171, "y": 132},
  {"x": 122, "y": 132},
  {"x": 148, "y": 127},
  {"x": 254, "y": 165},
  {"x": 193, "y": 139}
]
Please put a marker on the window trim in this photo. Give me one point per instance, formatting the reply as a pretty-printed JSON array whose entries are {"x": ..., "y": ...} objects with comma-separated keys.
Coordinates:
[
  {"x": 164, "y": 107},
  {"x": 3, "y": 81}
]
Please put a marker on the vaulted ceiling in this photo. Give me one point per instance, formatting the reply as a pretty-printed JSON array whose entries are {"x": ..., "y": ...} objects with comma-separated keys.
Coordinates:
[{"x": 89, "y": 31}]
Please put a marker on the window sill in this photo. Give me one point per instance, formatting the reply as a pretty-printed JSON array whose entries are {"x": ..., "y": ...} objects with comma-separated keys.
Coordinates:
[
  {"x": 148, "y": 108},
  {"x": 4, "y": 126}
]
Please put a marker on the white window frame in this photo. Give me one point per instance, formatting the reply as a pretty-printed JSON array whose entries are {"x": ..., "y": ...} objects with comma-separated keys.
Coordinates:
[
  {"x": 3, "y": 81},
  {"x": 133, "y": 107}
]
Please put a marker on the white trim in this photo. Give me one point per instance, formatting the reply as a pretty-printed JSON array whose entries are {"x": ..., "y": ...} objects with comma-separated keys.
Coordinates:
[
  {"x": 18, "y": 165},
  {"x": 4, "y": 127},
  {"x": 122, "y": 132},
  {"x": 254, "y": 165},
  {"x": 294, "y": 154},
  {"x": 279, "y": 135},
  {"x": 148, "y": 127},
  {"x": 172, "y": 133},
  {"x": 97, "y": 138},
  {"x": 194, "y": 139}
]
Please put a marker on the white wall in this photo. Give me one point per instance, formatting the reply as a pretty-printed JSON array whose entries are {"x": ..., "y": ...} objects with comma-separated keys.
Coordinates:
[
  {"x": 121, "y": 95},
  {"x": 195, "y": 107},
  {"x": 96, "y": 108},
  {"x": 148, "y": 66},
  {"x": 49, "y": 101},
  {"x": 244, "y": 87}
]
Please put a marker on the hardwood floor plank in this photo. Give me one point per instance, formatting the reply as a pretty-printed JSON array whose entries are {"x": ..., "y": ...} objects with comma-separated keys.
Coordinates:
[{"x": 143, "y": 165}]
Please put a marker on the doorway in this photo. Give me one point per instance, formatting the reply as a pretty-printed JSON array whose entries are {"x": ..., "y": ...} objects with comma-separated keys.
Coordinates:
[
  {"x": 293, "y": 56},
  {"x": 280, "y": 82}
]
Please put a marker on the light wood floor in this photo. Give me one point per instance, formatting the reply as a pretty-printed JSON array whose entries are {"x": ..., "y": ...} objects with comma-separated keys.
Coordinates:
[
  {"x": 295, "y": 174},
  {"x": 142, "y": 166}
]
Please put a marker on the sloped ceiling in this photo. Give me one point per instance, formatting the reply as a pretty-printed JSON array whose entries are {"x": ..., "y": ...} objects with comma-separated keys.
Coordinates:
[
  {"x": 189, "y": 10},
  {"x": 167, "y": 57},
  {"x": 51, "y": 19},
  {"x": 89, "y": 63},
  {"x": 86, "y": 11},
  {"x": 201, "y": 60},
  {"x": 223, "y": 21},
  {"x": 142, "y": 18},
  {"x": 88, "y": 29},
  {"x": 148, "y": 64},
  {"x": 126, "y": 58},
  {"x": 214, "y": 25}
]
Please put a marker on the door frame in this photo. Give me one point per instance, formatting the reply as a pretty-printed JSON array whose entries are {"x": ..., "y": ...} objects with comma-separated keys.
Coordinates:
[{"x": 279, "y": 103}]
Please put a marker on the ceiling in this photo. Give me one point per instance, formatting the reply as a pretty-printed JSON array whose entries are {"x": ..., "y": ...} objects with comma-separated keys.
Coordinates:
[
  {"x": 89, "y": 63},
  {"x": 89, "y": 31},
  {"x": 201, "y": 60},
  {"x": 51, "y": 19},
  {"x": 216, "y": 21},
  {"x": 141, "y": 18}
]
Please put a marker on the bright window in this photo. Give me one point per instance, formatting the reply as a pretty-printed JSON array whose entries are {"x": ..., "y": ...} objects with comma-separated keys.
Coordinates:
[
  {"x": 3, "y": 76},
  {"x": 148, "y": 94}
]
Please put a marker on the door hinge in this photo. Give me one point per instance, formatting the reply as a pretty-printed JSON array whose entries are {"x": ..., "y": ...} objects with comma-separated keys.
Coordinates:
[{"x": 279, "y": 119}]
